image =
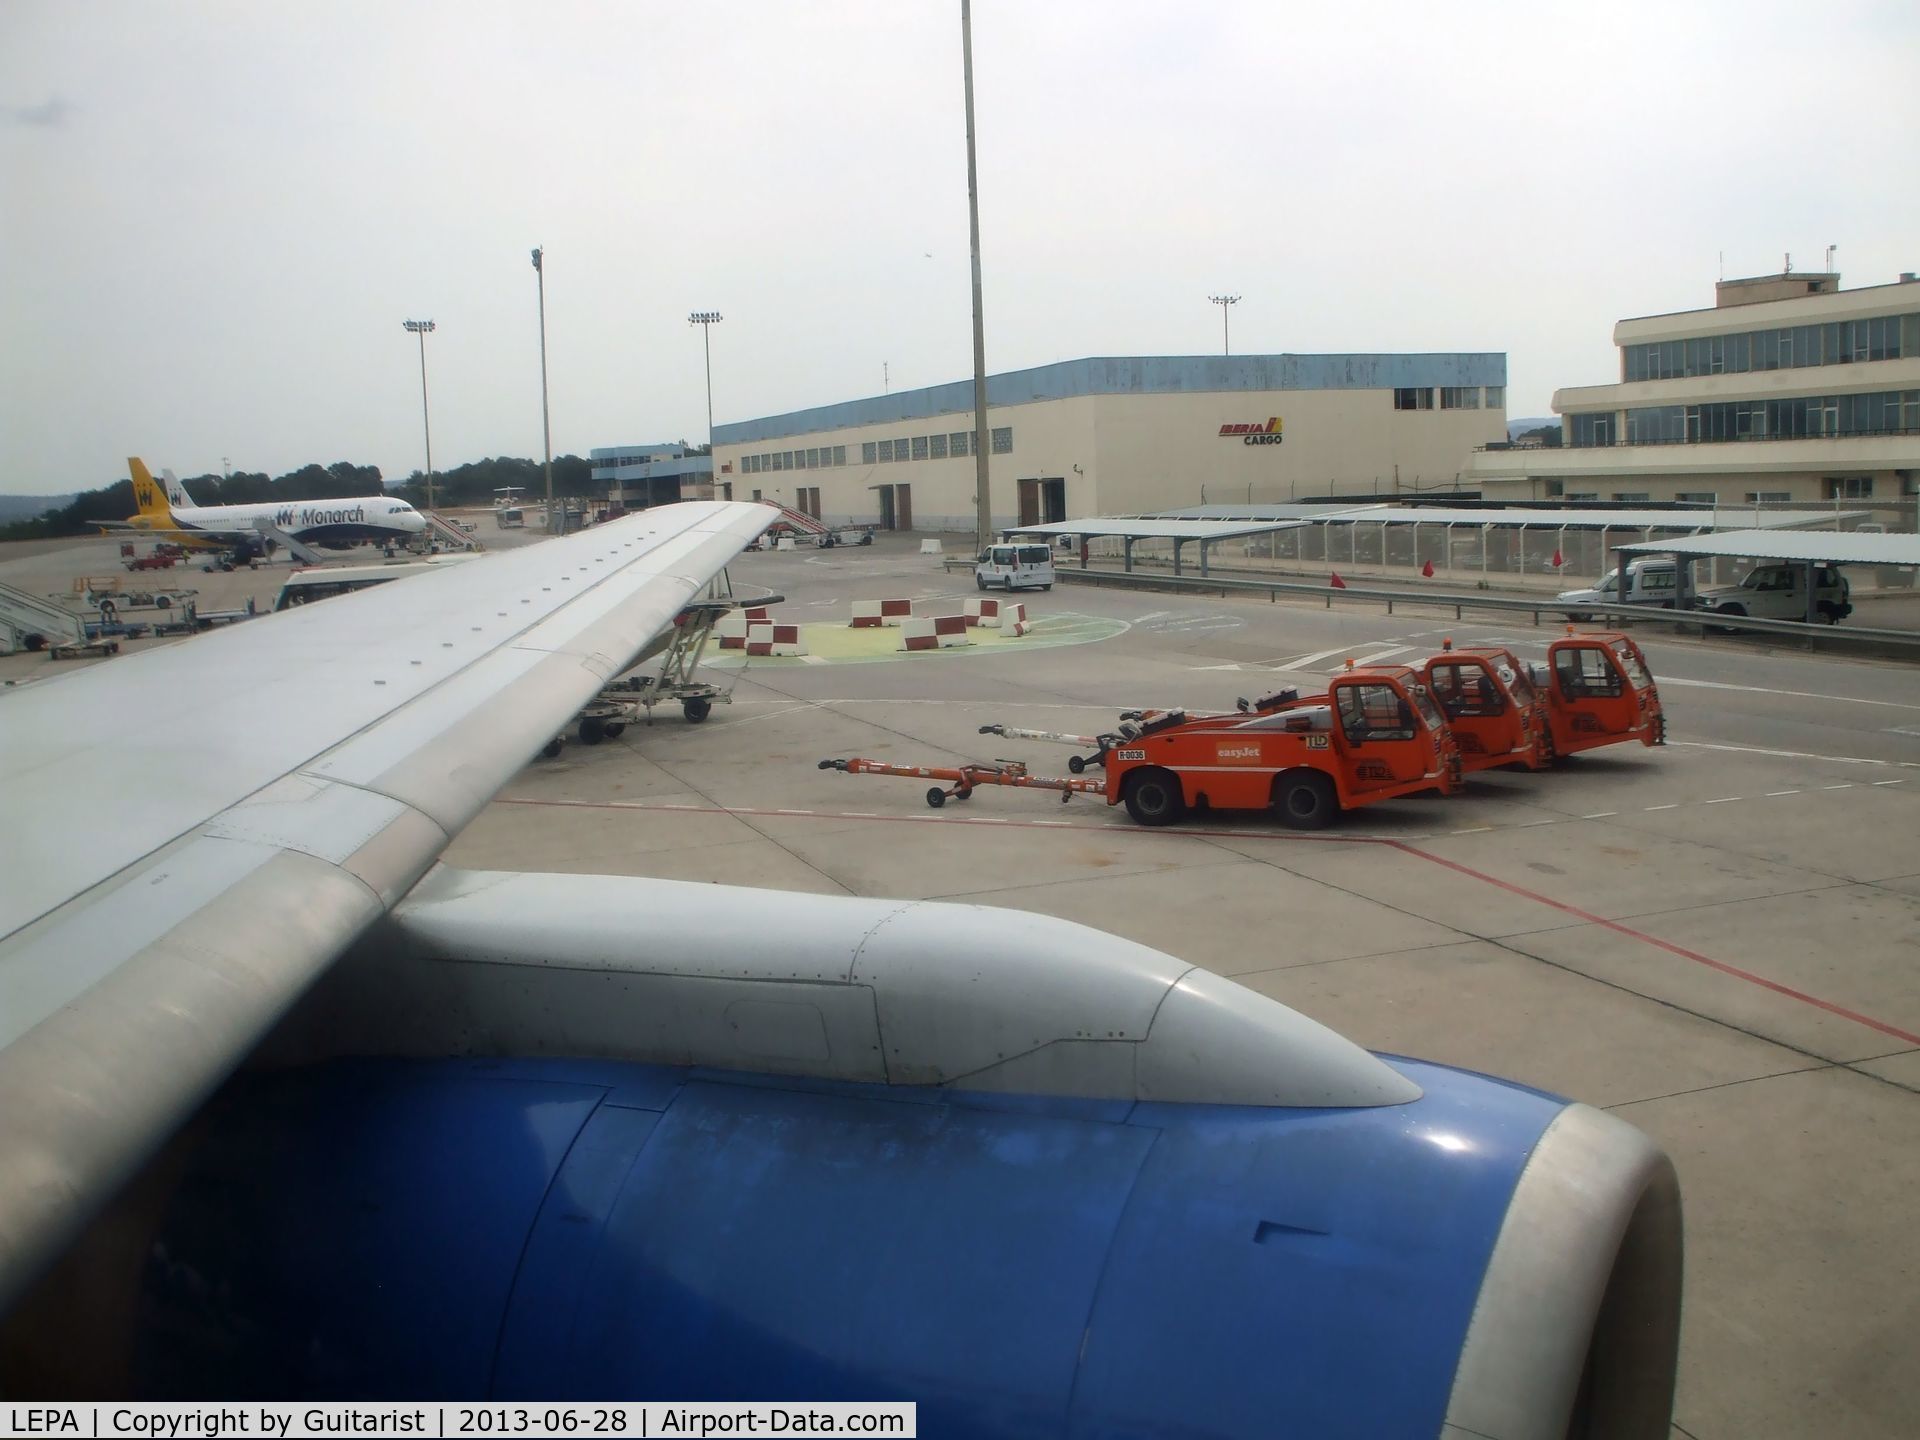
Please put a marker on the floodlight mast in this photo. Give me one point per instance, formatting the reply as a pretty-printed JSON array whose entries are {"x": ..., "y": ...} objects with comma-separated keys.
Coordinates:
[
  {"x": 983, "y": 509},
  {"x": 1223, "y": 301},
  {"x": 706, "y": 320},
  {"x": 424, "y": 328},
  {"x": 546, "y": 423}
]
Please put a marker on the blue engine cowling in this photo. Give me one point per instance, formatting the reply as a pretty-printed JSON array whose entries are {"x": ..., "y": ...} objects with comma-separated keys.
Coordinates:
[{"x": 543, "y": 1229}]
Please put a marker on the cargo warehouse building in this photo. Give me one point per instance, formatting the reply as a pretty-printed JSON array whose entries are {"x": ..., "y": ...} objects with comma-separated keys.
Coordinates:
[{"x": 1119, "y": 436}]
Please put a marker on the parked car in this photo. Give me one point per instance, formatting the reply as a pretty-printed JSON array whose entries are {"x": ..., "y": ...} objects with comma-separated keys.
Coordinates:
[{"x": 1017, "y": 567}]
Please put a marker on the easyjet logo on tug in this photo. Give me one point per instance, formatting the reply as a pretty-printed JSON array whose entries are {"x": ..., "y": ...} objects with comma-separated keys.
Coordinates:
[{"x": 1256, "y": 433}]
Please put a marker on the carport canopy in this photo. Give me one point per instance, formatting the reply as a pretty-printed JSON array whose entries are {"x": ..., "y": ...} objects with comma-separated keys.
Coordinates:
[
  {"x": 1806, "y": 548},
  {"x": 1130, "y": 529},
  {"x": 1819, "y": 547}
]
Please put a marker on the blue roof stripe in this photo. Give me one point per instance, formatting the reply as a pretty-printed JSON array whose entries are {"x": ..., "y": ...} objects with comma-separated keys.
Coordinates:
[{"x": 1134, "y": 375}]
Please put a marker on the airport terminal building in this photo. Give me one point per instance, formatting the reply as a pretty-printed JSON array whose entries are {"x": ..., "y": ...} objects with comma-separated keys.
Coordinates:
[
  {"x": 1789, "y": 390},
  {"x": 1127, "y": 435}
]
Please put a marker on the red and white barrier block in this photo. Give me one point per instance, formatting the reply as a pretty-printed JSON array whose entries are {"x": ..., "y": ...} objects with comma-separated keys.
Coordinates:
[
  {"x": 934, "y": 632},
  {"x": 1006, "y": 616},
  {"x": 767, "y": 638},
  {"x": 731, "y": 628},
  {"x": 868, "y": 614}
]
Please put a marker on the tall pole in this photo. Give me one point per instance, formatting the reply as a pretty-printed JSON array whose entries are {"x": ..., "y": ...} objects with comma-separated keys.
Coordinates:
[
  {"x": 706, "y": 320},
  {"x": 424, "y": 328},
  {"x": 1223, "y": 301},
  {"x": 983, "y": 515},
  {"x": 546, "y": 424}
]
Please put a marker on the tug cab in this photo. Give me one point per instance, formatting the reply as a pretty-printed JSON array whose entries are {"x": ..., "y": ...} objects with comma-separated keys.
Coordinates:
[
  {"x": 1497, "y": 715},
  {"x": 1600, "y": 691}
]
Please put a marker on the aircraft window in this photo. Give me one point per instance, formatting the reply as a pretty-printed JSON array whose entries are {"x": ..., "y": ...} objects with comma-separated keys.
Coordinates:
[
  {"x": 1585, "y": 672},
  {"x": 1375, "y": 712}
]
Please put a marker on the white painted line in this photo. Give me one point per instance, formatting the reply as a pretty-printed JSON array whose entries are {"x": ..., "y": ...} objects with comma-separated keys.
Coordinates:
[
  {"x": 1379, "y": 655},
  {"x": 988, "y": 819},
  {"x": 858, "y": 815},
  {"x": 1306, "y": 660},
  {"x": 1795, "y": 694},
  {"x": 815, "y": 659},
  {"x": 1601, "y": 815},
  {"x": 1848, "y": 785},
  {"x": 793, "y": 812},
  {"x": 1789, "y": 754},
  {"x": 1528, "y": 825},
  {"x": 1152, "y": 615},
  {"x": 680, "y": 807},
  {"x": 1771, "y": 793},
  {"x": 1660, "y": 807},
  {"x": 1476, "y": 830},
  {"x": 1052, "y": 822},
  {"x": 1724, "y": 800},
  {"x": 1901, "y": 781}
]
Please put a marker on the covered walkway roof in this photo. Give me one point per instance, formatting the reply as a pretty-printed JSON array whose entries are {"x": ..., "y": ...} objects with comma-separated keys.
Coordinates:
[
  {"x": 1830, "y": 547},
  {"x": 1564, "y": 518},
  {"x": 1147, "y": 527}
]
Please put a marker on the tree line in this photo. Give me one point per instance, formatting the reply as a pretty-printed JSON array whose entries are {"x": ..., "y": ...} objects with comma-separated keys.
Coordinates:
[{"x": 471, "y": 484}]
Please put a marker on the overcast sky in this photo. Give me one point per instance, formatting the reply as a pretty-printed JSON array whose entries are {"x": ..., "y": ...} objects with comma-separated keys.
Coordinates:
[{"x": 214, "y": 217}]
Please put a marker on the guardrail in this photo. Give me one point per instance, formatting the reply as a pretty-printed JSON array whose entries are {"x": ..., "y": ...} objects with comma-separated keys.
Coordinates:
[{"x": 1905, "y": 643}]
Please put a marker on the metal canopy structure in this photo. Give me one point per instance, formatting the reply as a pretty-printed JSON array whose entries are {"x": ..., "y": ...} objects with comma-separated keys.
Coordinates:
[
  {"x": 1132, "y": 528},
  {"x": 1820, "y": 547},
  {"x": 1806, "y": 548},
  {"x": 1568, "y": 518}
]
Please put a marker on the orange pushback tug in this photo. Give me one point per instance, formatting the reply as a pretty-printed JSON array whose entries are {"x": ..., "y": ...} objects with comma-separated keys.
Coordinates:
[
  {"x": 1497, "y": 715},
  {"x": 1600, "y": 691},
  {"x": 1374, "y": 735}
]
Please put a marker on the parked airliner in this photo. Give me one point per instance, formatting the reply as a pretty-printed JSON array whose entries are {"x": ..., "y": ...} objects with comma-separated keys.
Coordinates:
[{"x": 172, "y": 513}]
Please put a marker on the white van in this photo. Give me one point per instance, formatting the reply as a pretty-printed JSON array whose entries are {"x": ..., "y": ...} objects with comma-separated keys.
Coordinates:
[
  {"x": 1649, "y": 582},
  {"x": 1018, "y": 567}
]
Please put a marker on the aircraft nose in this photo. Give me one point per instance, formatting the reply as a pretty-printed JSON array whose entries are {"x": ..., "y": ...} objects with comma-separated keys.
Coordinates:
[{"x": 413, "y": 522}]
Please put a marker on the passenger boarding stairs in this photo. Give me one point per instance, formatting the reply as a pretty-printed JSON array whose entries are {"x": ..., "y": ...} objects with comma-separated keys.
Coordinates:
[
  {"x": 798, "y": 519},
  {"x": 23, "y": 616},
  {"x": 444, "y": 532}
]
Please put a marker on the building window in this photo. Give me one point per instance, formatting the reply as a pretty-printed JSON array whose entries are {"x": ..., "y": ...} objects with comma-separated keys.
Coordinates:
[
  {"x": 1849, "y": 487},
  {"x": 919, "y": 447},
  {"x": 886, "y": 452},
  {"x": 1418, "y": 398},
  {"x": 1581, "y": 497},
  {"x": 1769, "y": 497},
  {"x": 1656, "y": 425},
  {"x": 1592, "y": 430},
  {"x": 1698, "y": 497},
  {"x": 1496, "y": 397},
  {"x": 1460, "y": 397},
  {"x": 1555, "y": 489},
  {"x": 1838, "y": 342},
  {"x": 813, "y": 459},
  {"x": 1003, "y": 440},
  {"x": 1632, "y": 497},
  {"x": 839, "y": 454},
  {"x": 961, "y": 442},
  {"x": 867, "y": 456},
  {"x": 937, "y": 447}
]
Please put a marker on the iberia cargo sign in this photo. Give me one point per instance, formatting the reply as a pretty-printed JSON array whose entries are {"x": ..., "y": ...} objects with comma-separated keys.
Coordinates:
[{"x": 1256, "y": 433}]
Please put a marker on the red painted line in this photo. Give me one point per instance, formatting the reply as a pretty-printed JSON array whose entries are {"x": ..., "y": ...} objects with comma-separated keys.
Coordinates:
[{"x": 1402, "y": 846}]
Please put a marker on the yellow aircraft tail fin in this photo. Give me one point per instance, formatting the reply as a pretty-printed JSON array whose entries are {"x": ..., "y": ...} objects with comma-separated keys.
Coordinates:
[{"x": 147, "y": 494}]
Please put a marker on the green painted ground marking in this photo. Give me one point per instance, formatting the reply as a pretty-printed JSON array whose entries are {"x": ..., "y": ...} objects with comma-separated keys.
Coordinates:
[{"x": 840, "y": 644}]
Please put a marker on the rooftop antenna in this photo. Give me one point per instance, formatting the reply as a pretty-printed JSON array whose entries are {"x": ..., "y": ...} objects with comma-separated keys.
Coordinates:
[
  {"x": 1830, "y": 250},
  {"x": 886, "y": 379},
  {"x": 1723, "y": 264},
  {"x": 1789, "y": 269}
]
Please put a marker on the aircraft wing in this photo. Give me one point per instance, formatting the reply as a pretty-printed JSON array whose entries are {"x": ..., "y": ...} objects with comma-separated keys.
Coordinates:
[{"x": 294, "y": 777}]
